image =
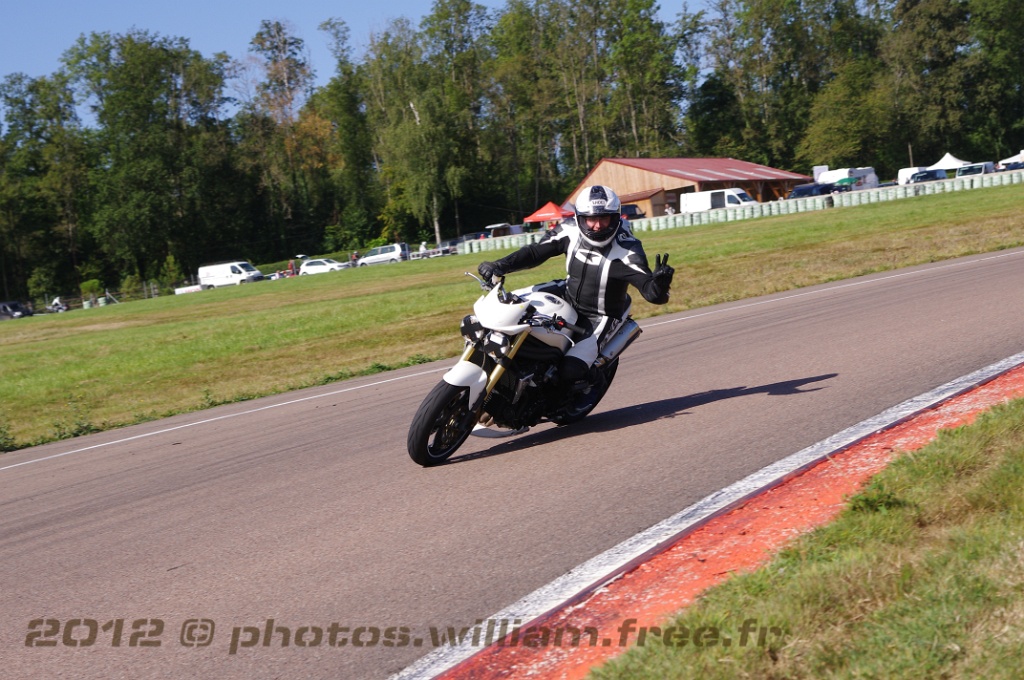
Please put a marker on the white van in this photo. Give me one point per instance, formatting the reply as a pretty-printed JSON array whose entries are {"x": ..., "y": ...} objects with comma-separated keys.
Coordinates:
[
  {"x": 710, "y": 200},
  {"x": 393, "y": 252},
  {"x": 228, "y": 274},
  {"x": 863, "y": 178}
]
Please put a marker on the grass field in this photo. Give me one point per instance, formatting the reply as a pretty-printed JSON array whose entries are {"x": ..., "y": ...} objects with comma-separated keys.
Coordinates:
[
  {"x": 87, "y": 370},
  {"x": 922, "y": 576}
]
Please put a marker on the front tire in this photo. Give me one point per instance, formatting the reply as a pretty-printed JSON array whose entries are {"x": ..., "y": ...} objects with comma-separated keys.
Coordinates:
[
  {"x": 585, "y": 402},
  {"x": 441, "y": 424}
]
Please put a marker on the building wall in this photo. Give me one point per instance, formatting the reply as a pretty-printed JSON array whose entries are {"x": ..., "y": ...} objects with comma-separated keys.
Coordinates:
[{"x": 624, "y": 179}]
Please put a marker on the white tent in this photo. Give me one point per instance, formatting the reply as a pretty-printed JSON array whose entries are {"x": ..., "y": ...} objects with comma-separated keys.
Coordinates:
[
  {"x": 948, "y": 162},
  {"x": 1019, "y": 158}
]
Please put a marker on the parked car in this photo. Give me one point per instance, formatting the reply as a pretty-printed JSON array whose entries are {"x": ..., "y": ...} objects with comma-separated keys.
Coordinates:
[
  {"x": 450, "y": 246},
  {"x": 321, "y": 265},
  {"x": 633, "y": 212},
  {"x": 851, "y": 178},
  {"x": 393, "y": 252},
  {"x": 926, "y": 176},
  {"x": 1015, "y": 165},
  {"x": 813, "y": 189},
  {"x": 13, "y": 310}
]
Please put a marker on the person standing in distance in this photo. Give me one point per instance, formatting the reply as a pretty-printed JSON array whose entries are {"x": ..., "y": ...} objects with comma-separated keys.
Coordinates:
[{"x": 602, "y": 259}]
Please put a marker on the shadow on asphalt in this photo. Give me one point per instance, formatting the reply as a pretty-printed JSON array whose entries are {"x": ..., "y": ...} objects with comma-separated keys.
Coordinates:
[{"x": 643, "y": 413}]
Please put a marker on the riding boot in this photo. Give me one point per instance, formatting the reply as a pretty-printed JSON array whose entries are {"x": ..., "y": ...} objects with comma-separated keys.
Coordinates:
[{"x": 574, "y": 375}]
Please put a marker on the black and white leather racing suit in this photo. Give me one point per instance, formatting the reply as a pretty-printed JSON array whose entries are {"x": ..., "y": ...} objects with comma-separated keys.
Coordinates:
[{"x": 596, "y": 284}]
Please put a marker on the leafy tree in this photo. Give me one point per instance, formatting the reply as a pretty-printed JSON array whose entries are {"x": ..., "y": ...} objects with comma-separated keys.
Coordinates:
[
  {"x": 286, "y": 147},
  {"x": 288, "y": 76},
  {"x": 525, "y": 104},
  {"x": 394, "y": 78},
  {"x": 153, "y": 98},
  {"x": 926, "y": 75},
  {"x": 649, "y": 82},
  {"x": 776, "y": 55},
  {"x": 43, "y": 188},
  {"x": 342, "y": 102},
  {"x": 849, "y": 121},
  {"x": 714, "y": 119},
  {"x": 997, "y": 110},
  {"x": 448, "y": 125}
]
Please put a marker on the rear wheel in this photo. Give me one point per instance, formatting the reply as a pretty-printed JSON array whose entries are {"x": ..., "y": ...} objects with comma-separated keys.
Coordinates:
[
  {"x": 441, "y": 424},
  {"x": 585, "y": 402}
]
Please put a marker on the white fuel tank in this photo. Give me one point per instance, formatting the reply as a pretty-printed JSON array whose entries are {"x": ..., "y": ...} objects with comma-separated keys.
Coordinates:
[{"x": 550, "y": 305}]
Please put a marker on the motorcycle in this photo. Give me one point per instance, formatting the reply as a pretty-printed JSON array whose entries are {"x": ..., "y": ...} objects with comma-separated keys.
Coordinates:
[{"x": 507, "y": 376}]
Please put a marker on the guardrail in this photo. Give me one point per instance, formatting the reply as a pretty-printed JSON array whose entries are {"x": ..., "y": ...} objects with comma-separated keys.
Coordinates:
[
  {"x": 845, "y": 199},
  {"x": 784, "y": 207}
]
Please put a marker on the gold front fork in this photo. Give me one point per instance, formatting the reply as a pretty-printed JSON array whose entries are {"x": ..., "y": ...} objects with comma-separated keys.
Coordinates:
[{"x": 499, "y": 370}]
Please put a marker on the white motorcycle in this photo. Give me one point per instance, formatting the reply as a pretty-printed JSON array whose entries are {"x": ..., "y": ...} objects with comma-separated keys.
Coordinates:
[{"x": 507, "y": 376}]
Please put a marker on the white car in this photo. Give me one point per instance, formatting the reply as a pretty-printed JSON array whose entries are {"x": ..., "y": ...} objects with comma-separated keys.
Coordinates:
[
  {"x": 393, "y": 252},
  {"x": 321, "y": 265}
]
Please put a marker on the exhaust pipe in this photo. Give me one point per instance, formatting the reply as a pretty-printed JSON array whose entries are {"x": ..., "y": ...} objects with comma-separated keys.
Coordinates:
[{"x": 618, "y": 342}]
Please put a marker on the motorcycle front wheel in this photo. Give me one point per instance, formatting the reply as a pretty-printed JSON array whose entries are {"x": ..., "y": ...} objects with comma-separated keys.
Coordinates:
[{"x": 441, "y": 424}]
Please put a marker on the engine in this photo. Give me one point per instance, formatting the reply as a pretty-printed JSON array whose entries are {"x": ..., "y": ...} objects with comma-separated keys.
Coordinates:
[{"x": 524, "y": 394}]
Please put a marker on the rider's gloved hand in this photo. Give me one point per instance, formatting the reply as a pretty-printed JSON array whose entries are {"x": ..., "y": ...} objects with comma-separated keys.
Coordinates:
[
  {"x": 489, "y": 270},
  {"x": 662, "y": 272}
]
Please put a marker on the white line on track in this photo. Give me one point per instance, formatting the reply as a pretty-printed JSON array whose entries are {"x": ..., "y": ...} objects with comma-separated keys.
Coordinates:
[{"x": 224, "y": 417}]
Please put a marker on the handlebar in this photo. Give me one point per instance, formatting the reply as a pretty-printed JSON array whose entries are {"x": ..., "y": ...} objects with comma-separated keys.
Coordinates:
[
  {"x": 549, "y": 322},
  {"x": 562, "y": 323},
  {"x": 555, "y": 322}
]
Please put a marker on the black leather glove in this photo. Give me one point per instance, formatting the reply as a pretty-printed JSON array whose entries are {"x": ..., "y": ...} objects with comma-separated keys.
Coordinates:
[
  {"x": 489, "y": 270},
  {"x": 662, "y": 272}
]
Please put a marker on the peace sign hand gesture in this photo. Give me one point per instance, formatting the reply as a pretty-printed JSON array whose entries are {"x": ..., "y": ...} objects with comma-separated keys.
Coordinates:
[{"x": 662, "y": 272}]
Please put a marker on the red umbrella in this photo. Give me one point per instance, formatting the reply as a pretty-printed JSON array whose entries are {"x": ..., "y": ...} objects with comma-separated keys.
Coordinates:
[{"x": 550, "y": 211}]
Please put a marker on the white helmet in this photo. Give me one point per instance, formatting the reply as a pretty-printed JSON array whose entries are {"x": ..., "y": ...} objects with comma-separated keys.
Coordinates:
[{"x": 598, "y": 200}]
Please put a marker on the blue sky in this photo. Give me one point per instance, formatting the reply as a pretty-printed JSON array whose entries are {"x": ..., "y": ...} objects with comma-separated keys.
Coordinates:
[{"x": 33, "y": 36}]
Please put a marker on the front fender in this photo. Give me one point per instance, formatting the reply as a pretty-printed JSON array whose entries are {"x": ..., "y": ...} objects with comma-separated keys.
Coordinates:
[{"x": 466, "y": 374}]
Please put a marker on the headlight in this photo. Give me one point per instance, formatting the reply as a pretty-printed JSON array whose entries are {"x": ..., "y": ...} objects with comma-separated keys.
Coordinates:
[
  {"x": 497, "y": 344},
  {"x": 471, "y": 329}
]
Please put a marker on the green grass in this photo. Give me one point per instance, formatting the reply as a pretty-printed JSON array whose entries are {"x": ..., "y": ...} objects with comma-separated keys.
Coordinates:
[
  {"x": 95, "y": 369},
  {"x": 922, "y": 576}
]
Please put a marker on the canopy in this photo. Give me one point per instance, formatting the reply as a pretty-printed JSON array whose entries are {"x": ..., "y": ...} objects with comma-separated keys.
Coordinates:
[
  {"x": 948, "y": 162},
  {"x": 548, "y": 212},
  {"x": 1019, "y": 158}
]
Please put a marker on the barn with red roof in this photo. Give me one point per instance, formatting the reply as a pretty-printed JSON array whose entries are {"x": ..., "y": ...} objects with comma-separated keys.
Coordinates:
[{"x": 655, "y": 184}]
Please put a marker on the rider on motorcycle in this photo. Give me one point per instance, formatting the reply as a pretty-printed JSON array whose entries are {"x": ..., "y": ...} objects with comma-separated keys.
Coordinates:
[{"x": 602, "y": 259}]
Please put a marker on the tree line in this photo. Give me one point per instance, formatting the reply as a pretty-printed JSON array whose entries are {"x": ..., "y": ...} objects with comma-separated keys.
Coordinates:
[{"x": 140, "y": 159}]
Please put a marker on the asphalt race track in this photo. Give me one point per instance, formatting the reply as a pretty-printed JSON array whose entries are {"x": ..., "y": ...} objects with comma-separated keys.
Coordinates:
[{"x": 241, "y": 542}]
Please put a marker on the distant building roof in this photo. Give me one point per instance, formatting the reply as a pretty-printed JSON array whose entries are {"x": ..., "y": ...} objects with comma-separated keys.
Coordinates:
[
  {"x": 639, "y": 195},
  {"x": 637, "y": 180},
  {"x": 708, "y": 169}
]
